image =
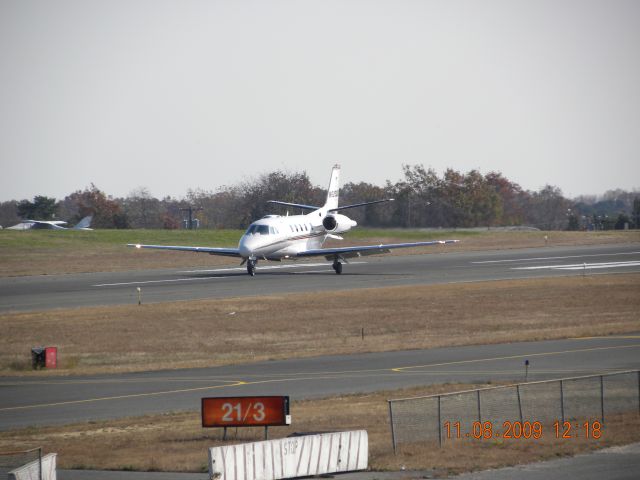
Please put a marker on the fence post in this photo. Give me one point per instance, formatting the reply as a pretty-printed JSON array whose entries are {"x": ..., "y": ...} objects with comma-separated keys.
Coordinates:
[
  {"x": 519, "y": 402},
  {"x": 439, "y": 424},
  {"x": 393, "y": 432},
  {"x": 479, "y": 414},
  {"x": 561, "y": 402},
  {"x": 602, "y": 398},
  {"x": 40, "y": 463},
  {"x": 638, "y": 392}
]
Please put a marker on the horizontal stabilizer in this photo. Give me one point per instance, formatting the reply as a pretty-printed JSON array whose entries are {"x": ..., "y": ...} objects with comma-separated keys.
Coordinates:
[
  {"x": 296, "y": 205},
  {"x": 361, "y": 204}
]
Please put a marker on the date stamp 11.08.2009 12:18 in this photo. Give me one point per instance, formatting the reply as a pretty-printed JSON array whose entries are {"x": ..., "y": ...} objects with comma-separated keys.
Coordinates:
[{"x": 523, "y": 430}]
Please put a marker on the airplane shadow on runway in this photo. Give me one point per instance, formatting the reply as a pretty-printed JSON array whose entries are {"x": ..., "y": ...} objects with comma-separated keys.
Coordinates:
[
  {"x": 331, "y": 272},
  {"x": 289, "y": 273}
]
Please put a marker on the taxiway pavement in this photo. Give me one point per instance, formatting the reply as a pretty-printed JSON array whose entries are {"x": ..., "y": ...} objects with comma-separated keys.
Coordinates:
[
  {"x": 91, "y": 289},
  {"x": 29, "y": 401}
]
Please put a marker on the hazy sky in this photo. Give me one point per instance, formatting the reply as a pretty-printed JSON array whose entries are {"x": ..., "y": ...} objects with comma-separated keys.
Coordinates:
[{"x": 172, "y": 95}]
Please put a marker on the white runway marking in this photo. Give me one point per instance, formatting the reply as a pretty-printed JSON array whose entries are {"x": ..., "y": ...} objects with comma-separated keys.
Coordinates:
[
  {"x": 555, "y": 258},
  {"x": 309, "y": 271},
  {"x": 582, "y": 266},
  {"x": 155, "y": 281}
]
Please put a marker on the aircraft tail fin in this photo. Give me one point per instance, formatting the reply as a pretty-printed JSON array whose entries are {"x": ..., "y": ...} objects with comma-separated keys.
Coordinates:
[
  {"x": 85, "y": 223},
  {"x": 334, "y": 189}
]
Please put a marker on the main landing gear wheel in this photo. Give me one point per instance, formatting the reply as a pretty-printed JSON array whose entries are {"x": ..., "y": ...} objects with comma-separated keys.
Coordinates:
[
  {"x": 337, "y": 266},
  {"x": 251, "y": 267}
]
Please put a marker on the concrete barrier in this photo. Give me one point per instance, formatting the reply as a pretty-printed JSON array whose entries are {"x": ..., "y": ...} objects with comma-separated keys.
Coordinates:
[
  {"x": 31, "y": 471},
  {"x": 291, "y": 457}
]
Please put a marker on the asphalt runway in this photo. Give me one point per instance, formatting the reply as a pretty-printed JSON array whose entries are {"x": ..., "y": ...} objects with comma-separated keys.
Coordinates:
[
  {"x": 58, "y": 291},
  {"x": 62, "y": 400}
]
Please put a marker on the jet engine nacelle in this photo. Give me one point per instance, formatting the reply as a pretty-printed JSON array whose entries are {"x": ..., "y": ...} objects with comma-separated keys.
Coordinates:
[{"x": 336, "y": 223}]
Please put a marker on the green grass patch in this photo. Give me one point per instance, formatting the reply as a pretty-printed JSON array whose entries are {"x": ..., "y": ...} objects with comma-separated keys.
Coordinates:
[
  {"x": 77, "y": 239},
  {"x": 69, "y": 240}
]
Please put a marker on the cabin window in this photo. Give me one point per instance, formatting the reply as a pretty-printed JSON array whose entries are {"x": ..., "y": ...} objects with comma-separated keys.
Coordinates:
[{"x": 262, "y": 230}]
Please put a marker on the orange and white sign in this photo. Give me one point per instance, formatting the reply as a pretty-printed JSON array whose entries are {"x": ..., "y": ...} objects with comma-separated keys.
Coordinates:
[{"x": 245, "y": 411}]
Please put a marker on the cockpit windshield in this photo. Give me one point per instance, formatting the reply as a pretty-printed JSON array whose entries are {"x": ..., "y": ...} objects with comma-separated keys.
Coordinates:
[{"x": 259, "y": 230}]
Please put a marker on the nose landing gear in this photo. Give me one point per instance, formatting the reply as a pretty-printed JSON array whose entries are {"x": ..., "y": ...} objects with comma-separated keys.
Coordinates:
[{"x": 251, "y": 267}]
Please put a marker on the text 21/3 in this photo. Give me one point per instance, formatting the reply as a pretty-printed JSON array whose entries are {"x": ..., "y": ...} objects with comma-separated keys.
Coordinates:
[
  {"x": 245, "y": 411},
  {"x": 233, "y": 412}
]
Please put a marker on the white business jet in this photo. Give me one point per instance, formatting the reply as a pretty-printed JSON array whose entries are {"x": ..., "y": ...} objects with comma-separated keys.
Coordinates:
[
  {"x": 276, "y": 237},
  {"x": 83, "y": 224}
]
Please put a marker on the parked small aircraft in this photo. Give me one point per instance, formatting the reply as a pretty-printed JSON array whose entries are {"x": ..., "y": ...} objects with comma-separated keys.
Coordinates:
[
  {"x": 277, "y": 237},
  {"x": 52, "y": 225}
]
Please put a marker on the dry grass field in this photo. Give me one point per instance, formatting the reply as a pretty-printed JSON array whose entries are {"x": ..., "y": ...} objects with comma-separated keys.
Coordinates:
[
  {"x": 216, "y": 332},
  {"x": 177, "y": 442}
]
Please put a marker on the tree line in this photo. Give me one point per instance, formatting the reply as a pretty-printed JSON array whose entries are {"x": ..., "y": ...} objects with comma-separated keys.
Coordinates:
[{"x": 423, "y": 199}]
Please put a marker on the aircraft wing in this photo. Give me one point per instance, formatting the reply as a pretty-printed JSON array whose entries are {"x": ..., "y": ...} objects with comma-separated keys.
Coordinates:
[
  {"x": 225, "y": 252},
  {"x": 21, "y": 226},
  {"x": 47, "y": 224},
  {"x": 351, "y": 252}
]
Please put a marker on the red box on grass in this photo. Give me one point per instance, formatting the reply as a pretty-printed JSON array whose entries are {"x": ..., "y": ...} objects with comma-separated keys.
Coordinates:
[{"x": 51, "y": 357}]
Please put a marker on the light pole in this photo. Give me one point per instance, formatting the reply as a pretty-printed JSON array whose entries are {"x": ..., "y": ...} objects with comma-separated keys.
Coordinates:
[{"x": 190, "y": 209}]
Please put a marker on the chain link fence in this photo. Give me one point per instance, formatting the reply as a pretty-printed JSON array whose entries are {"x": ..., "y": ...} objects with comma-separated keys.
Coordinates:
[
  {"x": 11, "y": 460},
  {"x": 433, "y": 418}
]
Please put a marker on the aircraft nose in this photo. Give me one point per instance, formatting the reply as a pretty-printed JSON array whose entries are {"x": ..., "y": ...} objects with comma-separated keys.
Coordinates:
[{"x": 244, "y": 247}]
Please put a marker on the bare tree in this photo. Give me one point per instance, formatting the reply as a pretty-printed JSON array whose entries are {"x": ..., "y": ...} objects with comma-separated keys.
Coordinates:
[{"x": 143, "y": 210}]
